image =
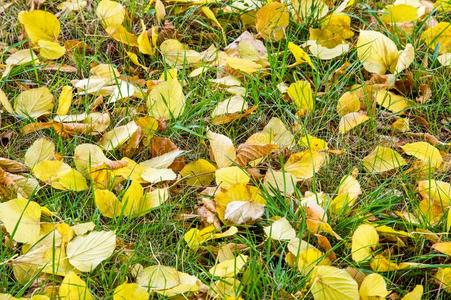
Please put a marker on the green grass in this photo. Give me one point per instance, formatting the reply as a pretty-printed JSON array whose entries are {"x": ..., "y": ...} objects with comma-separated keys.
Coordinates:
[{"x": 158, "y": 236}]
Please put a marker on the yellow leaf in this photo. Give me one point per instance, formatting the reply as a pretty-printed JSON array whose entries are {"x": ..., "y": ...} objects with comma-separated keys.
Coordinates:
[
  {"x": 438, "y": 36},
  {"x": 130, "y": 291},
  {"x": 401, "y": 125},
  {"x": 41, "y": 149},
  {"x": 271, "y": 21},
  {"x": 74, "y": 288},
  {"x": 364, "y": 240},
  {"x": 241, "y": 64},
  {"x": 405, "y": 59},
  {"x": 34, "y": 103},
  {"x": 107, "y": 203},
  {"x": 40, "y": 25},
  {"x": 21, "y": 219},
  {"x": 399, "y": 13},
  {"x": 64, "y": 101},
  {"x": 383, "y": 159},
  {"x": 333, "y": 31},
  {"x": 281, "y": 181},
  {"x": 329, "y": 283},
  {"x": 132, "y": 200},
  {"x": 300, "y": 55},
  {"x": 230, "y": 267},
  {"x": 280, "y": 230},
  {"x": 198, "y": 173},
  {"x": 443, "y": 277},
  {"x": 308, "y": 10},
  {"x": 144, "y": 45},
  {"x": 301, "y": 94},
  {"x": 210, "y": 15},
  {"x": 166, "y": 100},
  {"x": 381, "y": 264},
  {"x": 87, "y": 156},
  {"x": 134, "y": 58},
  {"x": 415, "y": 294},
  {"x": 444, "y": 247},
  {"x": 176, "y": 53},
  {"x": 122, "y": 35},
  {"x": 373, "y": 287},
  {"x": 425, "y": 152},
  {"x": 59, "y": 175},
  {"x": 240, "y": 204},
  {"x": 222, "y": 148},
  {"x": 394, "y": 103},
  {"x": 313, "y": 143},
  {"x": 118, "y": 136},
  {"x": 348, "y": 102},
  {"x": 167, "y": 281},
  {"x": 50, "y": 50},
  {"x": 110, "y": 13},
  {"x": 279, "y": 133},
  {"x": 436, "y": 191},
  {"x": 5, "y": 102},
  {"x": 325, "y": 53},
  {"x": 377, "y": 52},
  {"x": 305, "y": 164},
  {"x": 351, "y": 120},
  {"x": 86, "y": 252},
  {"x": 230, "y": 176},
  {"x": 160, "y": 11}
]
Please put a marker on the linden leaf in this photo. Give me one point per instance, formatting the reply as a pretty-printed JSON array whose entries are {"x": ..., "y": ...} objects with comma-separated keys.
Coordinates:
[
  {"x": 415, "y": 294},
  {"x": 130, "y": 291},
  {"x": 332, "y": 283},
  {"x": 64, "y": 101},
  {"x": 271, "y": 21},
  {"x": 301, "y": 94},
  {"x": 41, "y": 149},
  {"x": 377, "y": 52},
  {"x": 394, "y": 103},
  {"x": 21, "y": 219},
  {"x": 230, "y": 176},
  {"x": 364, "y": 241},
  {"x": 86, "y": 252},
  {"x": 230, "y": 267},
  {"x": 351, "y": 120},
  {"x": 166, "y": 100},
  {"x": 198, "y": 173},
  {"x": 443, "y": 277},
  {"x": 74, "y": 288},
  {"x": 348, "y": 102},
  {"x": 305, "y": 164},
  {"x": 118, "y": 136},
  {"x": 280, "y": 230},
  {"x": 383, "y": 159},
  {"x": 222, "y": 149},
  {"x": 40, "y": 25},
  {"x": 281, "y": 181},
  {"x": 107, "y": 203},
  {"x": 444, "y": 247},
  {"x": 50, "y": 50},
  {"x": 300, "y": 55},
  {"x": 436, "y": 191},
  {"x": 425, "y": 152},
  {"x": 373, "y": 286},
  {"x": 59, "y": 175},
  {"x": 34, "y": 103},
  {"x": 111, "y": 13},
  {"x": 5, "y": 102},
  {"x": 438, "y": 36}
]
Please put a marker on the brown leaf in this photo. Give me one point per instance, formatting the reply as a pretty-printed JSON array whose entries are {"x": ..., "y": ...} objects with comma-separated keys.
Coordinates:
[
  {"x": 162, "y": 145},
  {"x": 324, "y": 243},
  {"x": 12, "y": 166},
  {"x": 227, "y": 118},
  {"x": 246, "y": 153},
  {"x": 425, "y": 93},
  {"x": 132, "y": 144}
]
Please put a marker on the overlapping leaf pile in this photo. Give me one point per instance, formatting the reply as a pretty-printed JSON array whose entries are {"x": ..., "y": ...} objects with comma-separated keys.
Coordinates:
[{"x": 267, "y": 184}]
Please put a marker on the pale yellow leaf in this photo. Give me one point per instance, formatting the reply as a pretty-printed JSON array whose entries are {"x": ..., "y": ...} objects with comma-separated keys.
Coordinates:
[
  {"x": 364, "y": 240},
  {"x": 34, "y": 103},
  {"x": 383, "y": 159},
  {"x": 41, "y": 149}
]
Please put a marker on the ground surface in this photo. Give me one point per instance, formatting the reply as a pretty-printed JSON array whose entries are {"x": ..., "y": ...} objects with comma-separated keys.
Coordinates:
[{"x": 155, "y": 236}]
